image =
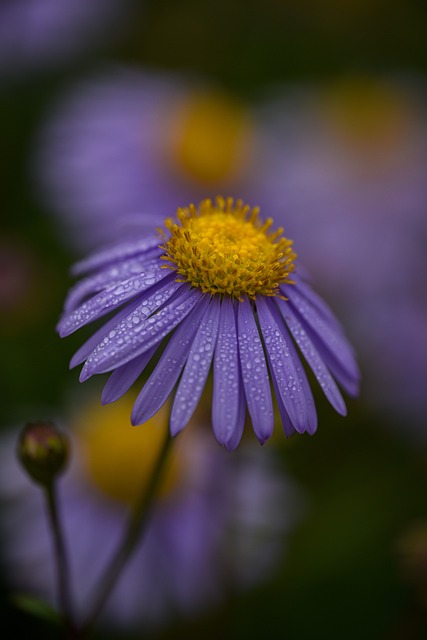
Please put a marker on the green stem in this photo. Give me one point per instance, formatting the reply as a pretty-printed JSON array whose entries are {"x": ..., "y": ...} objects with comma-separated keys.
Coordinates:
[
  {"x": 61, "y": 557},
  {"x": 137, "y": 525}
]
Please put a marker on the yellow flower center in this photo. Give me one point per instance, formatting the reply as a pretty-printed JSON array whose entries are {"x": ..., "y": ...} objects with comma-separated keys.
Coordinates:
[
  {"x": 118, "y": 458},
  {"x": 224, "y": 248},
  {"x": 210, "y": 137},
  {"x": 370, "y": 116}
]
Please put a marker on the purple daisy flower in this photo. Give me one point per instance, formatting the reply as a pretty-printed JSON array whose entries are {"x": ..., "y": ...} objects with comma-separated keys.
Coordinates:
[
  {"x": 218, "y": 524},
  {"x": 229, "y": 297},
  {"x": 138, "y": 141}
]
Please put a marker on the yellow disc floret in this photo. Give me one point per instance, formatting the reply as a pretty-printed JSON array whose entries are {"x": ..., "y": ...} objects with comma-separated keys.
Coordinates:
[{"x": 225, "y": 248}]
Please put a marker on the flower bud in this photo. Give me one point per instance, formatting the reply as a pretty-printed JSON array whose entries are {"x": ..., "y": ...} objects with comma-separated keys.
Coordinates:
[{"x": 43, "y": 451}]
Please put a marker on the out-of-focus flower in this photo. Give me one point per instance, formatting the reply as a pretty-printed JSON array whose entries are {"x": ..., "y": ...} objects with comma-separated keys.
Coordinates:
[
  {"x": 38, "y": 34},
  {"x": 348, "y": 163},
  {"x": 231, "y": 293},
  {"x": 126, "y": 143},
  {"x": 219, "y": 526}
]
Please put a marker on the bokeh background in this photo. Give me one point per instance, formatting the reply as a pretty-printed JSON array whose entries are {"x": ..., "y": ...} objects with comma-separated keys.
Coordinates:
[{"x": 321, "y": 108}]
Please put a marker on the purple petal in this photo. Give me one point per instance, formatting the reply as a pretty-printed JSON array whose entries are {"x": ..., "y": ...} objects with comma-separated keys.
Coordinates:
[
  {"x": 287, "y": 425},
  {"x": 311, "y": 406},
  {"x": 196, "y": 370},
  {"x": 236, "y": 436},
  {"x": 312, "y": 356},
  {"x": 114, "y": 274},
  {"x": 348, "y": 382},
  {"x": 121, "y": 380},
  {"x": 87, "y": 347},
  {"x": 111, "y": 298},
  {"x": 163, "y": 379},
  {"x": 302, "y": 287},
  {"x": 137, "y": 333},
  {"x": 226, "y": 383},
  {"x": 291, "y": 381},
  {"x": 330, "y": 334},
  {"x": 134, "y": 312},
  {"x": 116, "y": 252},
  {"x": 256, "y": 379}
]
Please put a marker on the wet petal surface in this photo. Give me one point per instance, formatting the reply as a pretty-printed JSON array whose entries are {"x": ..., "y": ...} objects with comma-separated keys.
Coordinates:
[{"x": 255, "y": 376}]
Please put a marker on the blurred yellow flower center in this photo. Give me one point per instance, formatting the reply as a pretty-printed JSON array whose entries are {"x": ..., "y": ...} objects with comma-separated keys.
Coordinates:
[
  {"x": 368, "y": 114},
  {"x": 224, "y": 248},
  {"x": 119, "y": 458},
  {"x": 210, "y": 136}
]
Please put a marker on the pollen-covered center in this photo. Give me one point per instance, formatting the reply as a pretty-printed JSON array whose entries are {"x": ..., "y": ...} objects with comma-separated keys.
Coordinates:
[{"x": 225, "y": 248}]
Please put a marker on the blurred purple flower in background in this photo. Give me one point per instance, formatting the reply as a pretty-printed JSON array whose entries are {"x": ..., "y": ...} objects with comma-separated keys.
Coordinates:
[
  {"x": 39, "y": 34},
  {"x": 122, "y": 148},
  {"x": 219, "y": 526},
  {"x": 348, "y": 172}
]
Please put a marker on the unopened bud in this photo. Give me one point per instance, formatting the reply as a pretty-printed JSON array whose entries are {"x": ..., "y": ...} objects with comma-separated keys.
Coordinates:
[{"x": 43, "y": 451}]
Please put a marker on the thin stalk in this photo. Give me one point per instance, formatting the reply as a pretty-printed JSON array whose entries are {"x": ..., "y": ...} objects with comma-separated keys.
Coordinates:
[
  {"x": 137, "y": 525},
  {"x": 63, "y": 575}
]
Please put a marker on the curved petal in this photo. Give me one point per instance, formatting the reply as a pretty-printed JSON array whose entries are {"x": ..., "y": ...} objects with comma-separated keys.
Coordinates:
[
  {"x": 116, "y": 252},
  {"x": 312, "y": 357},
  {"x": 287, "y": 425},
  {"x": 112, "y": 275},
  {"x": 236, "y": 436},
  {"x": 197, "y": 368},
  {"x": 91, "y": 343},
  {"x": 121, "y": 380},
  {"x": 256, "y": 379},
  {"x": 348, "y": 382},
  {"x": 135, "y": 334},
  {"x": 227, "y": 388},
  {"x": 134, "y": 312},
  {"x": 291, "y": 381},
  {"x": 311, "y": 406},
  {"x": 330, "y": 334},
  {"x": 304, "y": 288},
  {"x": 112, "y": 298},
  {"x": 163, "y": 379}
]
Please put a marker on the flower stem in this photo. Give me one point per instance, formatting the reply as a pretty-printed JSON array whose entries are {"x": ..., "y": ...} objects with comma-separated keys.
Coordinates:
[
  {"x": 138, "y": 521},
  {"x": 61, "y": 556}
]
